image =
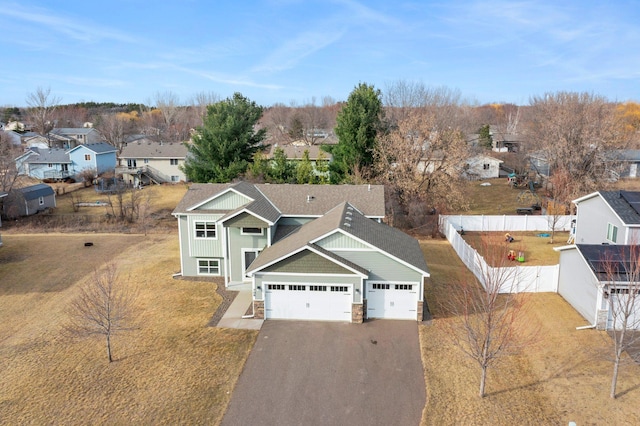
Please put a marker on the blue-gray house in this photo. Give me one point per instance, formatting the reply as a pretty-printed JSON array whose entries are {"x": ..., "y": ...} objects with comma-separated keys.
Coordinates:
[{"x": 100, "y": 157}]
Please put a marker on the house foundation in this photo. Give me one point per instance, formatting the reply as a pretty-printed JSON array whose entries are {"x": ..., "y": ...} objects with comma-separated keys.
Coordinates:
[
  {"x": 602, "y": 317},
  {"x": 357, "y": 312},
  {"x": 258, "y": 309}
]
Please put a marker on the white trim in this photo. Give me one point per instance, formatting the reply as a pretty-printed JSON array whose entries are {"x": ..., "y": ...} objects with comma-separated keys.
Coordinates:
[
  {"x": 195, "y": 231},
  {"x": 307, "y": 247},
  {"x": 243, "y": 251},
  {"x": 225, "y": 256},
  {"x": 213, "y": 197},
  {"x": 208, "y": 259},
  {"x": 251, "y": 233},
  {"x": 586, "y": 197},
  {"x": 180, "y": 240},
  {"x": 244, "y": 210},
  {"x": 374, "y": 248},
  {"x": 306, "y": 274}
]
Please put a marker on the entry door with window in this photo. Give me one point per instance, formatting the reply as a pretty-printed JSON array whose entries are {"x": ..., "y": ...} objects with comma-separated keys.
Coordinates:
[
  {"x": 248, "y": 257},
  {"x": 132, "y": 163}
]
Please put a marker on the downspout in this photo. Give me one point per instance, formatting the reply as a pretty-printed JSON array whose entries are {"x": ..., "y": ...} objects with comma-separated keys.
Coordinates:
[{"x": 586, "y": 327}]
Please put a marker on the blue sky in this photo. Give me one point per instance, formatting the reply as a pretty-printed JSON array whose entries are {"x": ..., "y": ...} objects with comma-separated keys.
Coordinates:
[{"x": 296, "y": 50}]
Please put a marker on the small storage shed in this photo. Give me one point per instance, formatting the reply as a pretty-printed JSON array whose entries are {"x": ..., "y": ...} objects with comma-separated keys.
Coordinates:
[{"x": 29, "y": 200}]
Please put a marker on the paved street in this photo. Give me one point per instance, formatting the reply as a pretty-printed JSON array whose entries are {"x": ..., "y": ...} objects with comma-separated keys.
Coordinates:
[{"x": 312, "y": 373}]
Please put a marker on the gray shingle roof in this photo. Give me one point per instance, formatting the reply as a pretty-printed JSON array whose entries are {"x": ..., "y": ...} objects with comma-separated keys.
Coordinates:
[
  {"x": 617, "y": 201},
  {"x": 295, "y": 152},
  {"x": 150, "y": 149},
  {"x": 46, "y": 156},
  {"x": 36, "y": 191},
  {"x": 295, "y": 200},
  {"x": 73, "y": 130},
  {"x": 345, "y": 217}
]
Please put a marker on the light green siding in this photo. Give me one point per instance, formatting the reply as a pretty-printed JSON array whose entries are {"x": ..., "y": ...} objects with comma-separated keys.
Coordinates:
[
  {"x": 189, "y": 262},
  {"x": 237, "y": 243},
  {"x": 338, "y": 240},
  {"x": 381, "y": 267},
  {"x": 307, "y": 262},
  {"x": 246, "y": 220},
  {"x": 228, "y": 201},
  {"x": 319, "y": 279},
  {"x": 204, "y": 247}
]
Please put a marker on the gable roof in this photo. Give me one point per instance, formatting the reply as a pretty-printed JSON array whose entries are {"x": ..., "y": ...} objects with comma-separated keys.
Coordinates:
[
  {"x": 36, "y": 191},
  {"x": 260, "y": 206},
  {"x": 45, "y": 156},
  {"x": 347, "y": 219},
  {"x": 98, "y": 148},
  {"x": 625, "y": 204},
  {"x": 291, "y": 200},
  {"x": 146, "y": 148}
]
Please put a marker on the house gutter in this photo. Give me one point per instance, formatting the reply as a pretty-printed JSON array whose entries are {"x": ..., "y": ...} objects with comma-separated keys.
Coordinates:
[{"x": 586, "y": 327}]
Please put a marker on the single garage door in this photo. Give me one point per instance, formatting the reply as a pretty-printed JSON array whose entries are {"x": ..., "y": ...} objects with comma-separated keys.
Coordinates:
[
  {"x": 392, "y": 301},
  {"x": 308, "y": 302}
]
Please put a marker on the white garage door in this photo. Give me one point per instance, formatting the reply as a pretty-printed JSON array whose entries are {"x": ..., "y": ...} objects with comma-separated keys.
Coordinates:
[
  {"x": 392, "y": 301},
  {"x": 308, "y": 302},
  {"x": 622, "y": 304}
]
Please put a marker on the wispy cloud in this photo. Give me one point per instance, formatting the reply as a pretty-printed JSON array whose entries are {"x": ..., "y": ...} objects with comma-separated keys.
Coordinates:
[
  {"x": 73, "y": 28},
  {"x": 289, "y": 54}
]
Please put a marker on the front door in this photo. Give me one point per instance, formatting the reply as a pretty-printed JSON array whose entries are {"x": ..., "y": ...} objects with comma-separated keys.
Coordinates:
[{"x": 248, "y": 256}]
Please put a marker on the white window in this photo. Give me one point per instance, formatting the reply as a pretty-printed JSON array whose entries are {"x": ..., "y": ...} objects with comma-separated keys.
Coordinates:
[
  {"x": 175, "y": 178},
  {"x": 251, "y": 231},
  {"x": 41, "y": 201},
  {"x": 205, "y": 230},
  {"x": 275, "y": 287},
  {"x": 612, "y": 233},
  {"x": 297, "y": 287},
  {"x": 173, "y": 161},
  {"x": 145, "y": 161},
  {"x": 403, "y": 287},
  {"x": 486, "y": 166},
  {"x": 340, "y": 288},
  {"x": 208, "y": 267},
  {"x": 87, "y": 157},
  {"x": 379, "y": 286}
]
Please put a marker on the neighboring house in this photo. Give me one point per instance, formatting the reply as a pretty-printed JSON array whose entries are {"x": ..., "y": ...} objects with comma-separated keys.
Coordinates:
[
  {"x": 585, "y": 283},
  {"x": 317, "y": 252},
  {"x": 505, "y": 141},
  {"x": 630, "y": 159},
  {"x": 29, "y": 200},
  {"x": 145, "y": 161},
  {"x": 607, "y": 224},
  {"x": 47, "y": 163},
  {"x": 608, "y": 217},
  {"x": 70, "y": 137},
  {"x": 34, "y": 140},
  {"x": 100, "y": 157},
  {"x": 482, "y": 167},
  {"x": 13, "y": 137}
]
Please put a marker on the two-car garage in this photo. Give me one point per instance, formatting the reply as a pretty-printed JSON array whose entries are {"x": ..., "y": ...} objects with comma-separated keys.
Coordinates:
[{"x": 324, "y": 302}]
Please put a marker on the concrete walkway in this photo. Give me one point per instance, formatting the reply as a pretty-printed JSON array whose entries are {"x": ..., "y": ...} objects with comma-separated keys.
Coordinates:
[{"x": 233, "y": 317}]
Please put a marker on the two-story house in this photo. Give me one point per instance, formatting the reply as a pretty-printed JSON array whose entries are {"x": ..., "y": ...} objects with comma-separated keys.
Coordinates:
[
  {"x": 70, "y": 137},
  {"x": 145, "y": 161},
  {"x": 318, "y": 252},
  {"x": 594, "y": 273}
]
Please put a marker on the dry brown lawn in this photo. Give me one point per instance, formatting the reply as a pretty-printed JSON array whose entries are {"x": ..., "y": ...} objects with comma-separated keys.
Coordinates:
[
  {"x": 537, "y": 250},
  {"x": 173, "y": 370},
  {"x": 562, "y": 377},
  {"x": 497, "y": 199}
]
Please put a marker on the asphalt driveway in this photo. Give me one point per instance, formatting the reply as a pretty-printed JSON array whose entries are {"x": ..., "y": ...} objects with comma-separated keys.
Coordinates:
[{"x": 321, "y": 373}]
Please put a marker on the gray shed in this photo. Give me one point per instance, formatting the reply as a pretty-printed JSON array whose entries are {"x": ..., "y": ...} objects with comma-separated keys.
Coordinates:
[{"x": 29, "y": 200}]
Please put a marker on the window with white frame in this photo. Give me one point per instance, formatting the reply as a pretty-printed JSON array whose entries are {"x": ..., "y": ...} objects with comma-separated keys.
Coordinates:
[
  {"x": 175, "y": 178},
  {"x": 612, "y": 233},
  {"x": 486, "y": 166},
  {"x": 208, "y": 267},
  {"x": 145, "y": 161},
  {"x": 251, "y": 231},
  {"x": 41, "y": 201},
  {"x": 173, "y": 161},
  {"x": 205, "y": 229},
  {"x": 87, "y": 157}
]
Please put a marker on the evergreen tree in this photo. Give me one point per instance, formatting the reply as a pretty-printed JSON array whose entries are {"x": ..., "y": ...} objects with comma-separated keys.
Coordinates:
[
  {"x": 225, "y": 144},
  {"x": 304, "y": 169},
  {"x": 484, "y": 136},
  {"x": 281, "y": 170},
  {"x": 358, "y": 123}
]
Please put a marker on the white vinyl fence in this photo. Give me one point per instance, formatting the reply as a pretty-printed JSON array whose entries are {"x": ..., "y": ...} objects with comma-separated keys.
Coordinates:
[
  {"x": 506, "y": 223},
  {"x": 533, "y": 279}
]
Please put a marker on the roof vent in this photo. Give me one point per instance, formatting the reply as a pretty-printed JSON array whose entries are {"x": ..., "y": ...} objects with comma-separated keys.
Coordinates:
[{"x": 347, "y": 224}]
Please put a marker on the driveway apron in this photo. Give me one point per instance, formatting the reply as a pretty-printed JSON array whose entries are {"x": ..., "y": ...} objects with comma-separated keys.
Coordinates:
[{"x": 319, "y": 373}]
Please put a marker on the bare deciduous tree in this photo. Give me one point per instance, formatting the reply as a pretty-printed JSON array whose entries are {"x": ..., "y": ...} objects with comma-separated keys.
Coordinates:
[
  {"x": 621, "y": 289},
  {"x": 105, "y": 306},
  {"x": 8, "y": 170},
  {"x": 577, "y": 133},
  {"x": 490, "y": 325},
  {"x": 421, "y": 164},
  {"x": 41, "y": 107},
  {"x": 114, "y": 128}
]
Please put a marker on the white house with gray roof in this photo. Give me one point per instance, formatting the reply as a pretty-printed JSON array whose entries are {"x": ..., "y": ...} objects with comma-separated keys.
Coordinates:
[
  {"x": 310, "y": 252},
  {"x": 146, "y": 161}
]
